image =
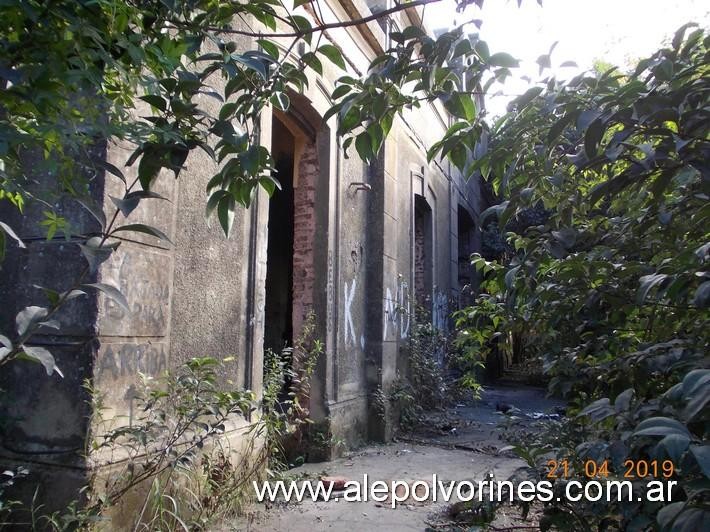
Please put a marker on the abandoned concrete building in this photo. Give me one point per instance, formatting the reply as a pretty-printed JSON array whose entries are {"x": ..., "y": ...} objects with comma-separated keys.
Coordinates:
[{"x": 358, "y": 245}]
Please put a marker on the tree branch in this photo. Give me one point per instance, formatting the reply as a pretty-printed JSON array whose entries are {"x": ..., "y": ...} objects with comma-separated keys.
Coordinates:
[{"x": 331, "y": 25}]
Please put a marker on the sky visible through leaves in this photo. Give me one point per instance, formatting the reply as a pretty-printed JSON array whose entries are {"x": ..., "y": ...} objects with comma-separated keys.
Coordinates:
[{"x": 619, "y": 32}]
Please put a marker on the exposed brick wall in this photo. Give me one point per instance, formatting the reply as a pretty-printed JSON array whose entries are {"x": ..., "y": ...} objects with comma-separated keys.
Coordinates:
[
  {"x": 419, "y": 260},
  {"x": 303, "y": 236}
]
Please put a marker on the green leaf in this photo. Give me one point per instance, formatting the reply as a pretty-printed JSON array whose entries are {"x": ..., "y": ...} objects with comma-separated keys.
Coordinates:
[
  {"x": 695, "y": 380},
  {"x": 302, "y": 25},
  {"x": 111, "y": 292},
  {"x": 503, "y": 59},
  {"x": 111, "y": 169},
  {"x": 346, "y": 144},
  {"x": 527, "y": 97},
  {"x": 29, "y": 316},
  {"x": 559, "y": 127},
  {"x": 661, "y": 426},
  {"x": 598, "y": 410},
  {"x": 225, "y": 214},
  {"x": 9, "y": 232},
  {"x": 376, "y": 137},
  {"x": 413, "y": 32},
  {"x": 647, "y": 283},
  {"x": 461, "y": 105},
  {"x": 481, "y": 49},
  {"x": 701, "y": 299},
  {"x": 463, "y": 47},
  {"x": 332, "y": 53},
  {"x": 567, "y": 236},
  {"x": 228, "y": 110},
  {"x": 251, "y": 63},
  {"x": 131, "y": 200},
  {"x": 680, "y": 33},
  {"x": 386, "y": 123},
  {"x": 4, "y": 340},
  {"x": 94, "y": 254},
  {"x": 363, "y": 145},
  {"x": 668, "y": 514},
  {"x": 349, "y": 121},
  {"x": 43, "y": 356},
  {"x": 51, "y": 295},
  {"x": 94, "y": 209},
  {"x": 149, "y": 167},
  {"x": 269, "y": 47},
  {"x": 697, "y": 406},
  {"x": 312, "y": 61},
  {"x": 510, "y": 277},
  {"x": 691, "y": 519},
  {"x": 213, "y": 201},
  {"x": 340, "y": 91},
  {"x": 701, "y": 453},
  {"x": 593, "y": 136},
  {"x": 623, "y": 401},
  {"x": 281, "y": 101},
  {"x": 585, "y": 118},
  {"x": 459, "y": 156},
  {"x": 72, "y": 294},
  {"x": 496, "y": 210},
  {"x": 142, "y": 228},
  {"x": 156, "y": 101},
  {"x": 270, "y": 185},
  {"x": 675, "y": 445}
]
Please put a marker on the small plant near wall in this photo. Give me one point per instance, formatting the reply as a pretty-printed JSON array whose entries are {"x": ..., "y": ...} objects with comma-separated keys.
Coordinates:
[
  {"x": 287, "y": 388},
  {"x": 424, "y": 386},
  {"x": 170, "y": 452},
  {"x": 478, "y": 340},
  {"x": 173, "y": 451}
]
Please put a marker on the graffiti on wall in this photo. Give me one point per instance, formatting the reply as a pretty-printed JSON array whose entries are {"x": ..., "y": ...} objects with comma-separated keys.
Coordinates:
[
  {"x": 396, "y": 317},
  {"x": 350, "y": 334},
  {"x": 118, "y": 361},
  {"x": 397, "y": 310},
  {"x": 145, "y": 281},
  {"x": 440, "y": 311}
]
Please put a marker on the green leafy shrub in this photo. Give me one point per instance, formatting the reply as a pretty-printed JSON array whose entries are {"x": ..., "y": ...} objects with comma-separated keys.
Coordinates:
[
  {"x": 174, "y": 452},
  {"x": 424, "y": 387},
  {"x": 287, "y": 387},
  {"x": 611, "y": 286}
]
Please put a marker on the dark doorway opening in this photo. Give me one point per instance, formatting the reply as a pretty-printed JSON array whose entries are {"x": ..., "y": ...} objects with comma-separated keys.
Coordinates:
[
  {"x": 278, "y": 311},
  {"x": 423, "y": 260},
  {"x": 465, "y": 270}
]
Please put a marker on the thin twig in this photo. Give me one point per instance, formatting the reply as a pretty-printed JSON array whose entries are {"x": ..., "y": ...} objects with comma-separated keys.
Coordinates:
[{"x": 322, "y": 27}]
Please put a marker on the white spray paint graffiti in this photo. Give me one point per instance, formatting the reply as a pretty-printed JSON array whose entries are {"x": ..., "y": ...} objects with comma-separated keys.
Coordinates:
[
  {"x": 440, "y": 320},
  {"x": 397, "y": 310},
  {"x": 440, "y": 312},
  {"x": 350, "y": 336}
]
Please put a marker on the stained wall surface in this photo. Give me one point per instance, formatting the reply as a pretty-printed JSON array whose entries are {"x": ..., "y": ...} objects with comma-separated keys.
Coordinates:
[{"x": 201, "y": 294}]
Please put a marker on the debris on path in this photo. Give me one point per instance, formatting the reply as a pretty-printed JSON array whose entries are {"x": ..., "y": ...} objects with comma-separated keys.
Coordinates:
[{"x": 464, "y": 442}]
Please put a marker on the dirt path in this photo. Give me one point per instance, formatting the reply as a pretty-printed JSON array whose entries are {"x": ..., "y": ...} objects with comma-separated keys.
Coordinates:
[{"x": 462, "y": 443}]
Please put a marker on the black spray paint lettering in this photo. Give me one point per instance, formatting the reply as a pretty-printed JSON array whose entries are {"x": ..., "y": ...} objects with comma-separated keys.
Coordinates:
[{"x": 130, "y": 359}]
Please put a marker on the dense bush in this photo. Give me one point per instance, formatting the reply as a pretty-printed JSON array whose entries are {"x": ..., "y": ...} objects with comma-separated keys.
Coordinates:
[{"x": 613, "y": 284}]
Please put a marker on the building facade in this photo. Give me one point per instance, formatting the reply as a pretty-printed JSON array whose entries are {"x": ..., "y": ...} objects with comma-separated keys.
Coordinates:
[{"x": 357, "y": 245}]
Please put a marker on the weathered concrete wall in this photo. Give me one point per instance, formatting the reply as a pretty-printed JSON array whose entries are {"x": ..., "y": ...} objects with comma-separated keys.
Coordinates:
[
  {"x": 44, "y": 419},
  {"x": 204, "y": 295},
  {"x": 142, "y": 269},
  {"x": 210, "y": 277}
]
